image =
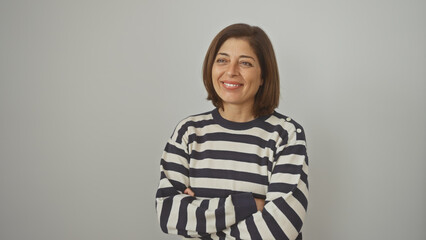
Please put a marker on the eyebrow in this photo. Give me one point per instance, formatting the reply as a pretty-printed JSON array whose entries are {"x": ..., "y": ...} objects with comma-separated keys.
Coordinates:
[{"x": 241, "y": 56}]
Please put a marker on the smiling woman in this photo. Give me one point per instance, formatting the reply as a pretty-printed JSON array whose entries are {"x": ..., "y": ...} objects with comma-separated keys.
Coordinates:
[
  {"x": 236, "y": 77},
  {"x": 255, "y": 53},
  {"x": 239, "y": 171}
]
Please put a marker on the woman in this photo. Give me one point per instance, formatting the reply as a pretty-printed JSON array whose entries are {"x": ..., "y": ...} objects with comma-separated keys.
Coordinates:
[{"x": 240, "y": 170}]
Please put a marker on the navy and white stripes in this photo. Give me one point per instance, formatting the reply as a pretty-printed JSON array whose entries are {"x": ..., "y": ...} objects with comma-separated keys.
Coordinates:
[{"x": 227, "y": 165}]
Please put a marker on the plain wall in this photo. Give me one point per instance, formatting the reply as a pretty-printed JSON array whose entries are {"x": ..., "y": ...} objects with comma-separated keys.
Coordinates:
[{"x": 90, "y": 91}]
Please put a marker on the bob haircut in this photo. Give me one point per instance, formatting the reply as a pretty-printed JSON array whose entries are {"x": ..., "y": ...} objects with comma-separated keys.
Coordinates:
[{"x": 267, "y": 97}]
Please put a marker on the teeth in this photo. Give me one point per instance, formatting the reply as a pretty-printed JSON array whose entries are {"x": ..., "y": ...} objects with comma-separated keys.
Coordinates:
[{"x": 231, "y": 85}]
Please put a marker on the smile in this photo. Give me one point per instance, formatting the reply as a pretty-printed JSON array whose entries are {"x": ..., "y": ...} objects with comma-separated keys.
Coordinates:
[{"x": 231, "y": 85}]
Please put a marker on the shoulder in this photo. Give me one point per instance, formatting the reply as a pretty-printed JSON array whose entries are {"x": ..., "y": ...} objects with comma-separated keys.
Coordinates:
[
  {"x": 286, "y": 120},
  {"x": 287, "y": 124},
  {"x": 196, "y": 120}
]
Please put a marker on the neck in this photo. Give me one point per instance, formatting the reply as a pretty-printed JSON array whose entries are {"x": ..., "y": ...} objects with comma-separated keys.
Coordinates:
[{"x": 237, "y": 113}]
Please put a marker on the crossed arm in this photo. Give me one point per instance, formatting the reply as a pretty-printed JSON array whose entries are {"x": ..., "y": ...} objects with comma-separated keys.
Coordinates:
[
  {"x": 239, "y": 215},
  {"x": 260, "y": 203}
]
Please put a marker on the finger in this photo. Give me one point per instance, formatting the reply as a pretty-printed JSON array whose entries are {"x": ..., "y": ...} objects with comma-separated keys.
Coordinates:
[{"x": 189, "y": 192}]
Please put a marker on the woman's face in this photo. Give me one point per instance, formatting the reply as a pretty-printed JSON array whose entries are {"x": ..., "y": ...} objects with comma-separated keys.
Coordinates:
[{"x": 236, "y": 73}]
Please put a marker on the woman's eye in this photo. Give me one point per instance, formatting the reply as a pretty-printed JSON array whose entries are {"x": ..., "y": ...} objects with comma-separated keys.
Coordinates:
[
  {"x": 221, "y": 60},
  {"x": 248, "y": 64}
]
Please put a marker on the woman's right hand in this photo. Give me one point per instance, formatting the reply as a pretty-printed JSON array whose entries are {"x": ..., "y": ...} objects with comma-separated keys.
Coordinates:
[
  {"x": 260, "y": 203},
  {"x": 189, "y": 192}
]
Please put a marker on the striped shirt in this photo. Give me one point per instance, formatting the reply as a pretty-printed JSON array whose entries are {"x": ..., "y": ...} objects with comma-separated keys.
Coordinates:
[{"x": 228, "y": 164}]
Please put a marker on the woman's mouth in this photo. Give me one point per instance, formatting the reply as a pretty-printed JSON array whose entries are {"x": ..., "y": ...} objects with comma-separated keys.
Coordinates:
[{"x": 231, "y": 85}]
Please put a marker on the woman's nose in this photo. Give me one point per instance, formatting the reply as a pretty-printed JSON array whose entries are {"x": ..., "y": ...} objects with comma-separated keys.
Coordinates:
[{"x": 233, "y": 69}]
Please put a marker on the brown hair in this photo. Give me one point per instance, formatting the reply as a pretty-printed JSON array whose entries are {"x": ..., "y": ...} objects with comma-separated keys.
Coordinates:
[{"x": 267, "y": 97}]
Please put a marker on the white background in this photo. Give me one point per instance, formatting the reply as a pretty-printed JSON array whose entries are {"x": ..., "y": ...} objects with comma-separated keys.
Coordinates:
[{"x": 90, "y": 91}]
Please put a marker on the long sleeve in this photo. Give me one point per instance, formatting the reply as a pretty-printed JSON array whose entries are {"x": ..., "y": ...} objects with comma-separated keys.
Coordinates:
[
  {"x": 286, "y": 199},
  {"x": 187, "y": 216},
  {"x": 227, "y": 164}
]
